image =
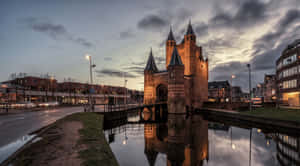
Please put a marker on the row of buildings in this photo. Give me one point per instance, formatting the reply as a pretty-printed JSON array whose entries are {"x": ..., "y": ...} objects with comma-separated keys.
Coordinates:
[
  {"x": 282, "y": 87},
  {"x": 38, "y": 89},
  {"x": 222, "y": 91}
]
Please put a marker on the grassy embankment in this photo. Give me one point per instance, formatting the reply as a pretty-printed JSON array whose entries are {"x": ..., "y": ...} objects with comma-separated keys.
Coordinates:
[
  {"x": 96, "y": 150},
  {"x": 274, "y": 113}
]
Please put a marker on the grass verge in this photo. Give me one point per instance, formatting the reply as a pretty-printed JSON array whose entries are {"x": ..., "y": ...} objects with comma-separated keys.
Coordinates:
[
  {"x": 274, "y": 113},
  {"x": 97, "y": 151}
]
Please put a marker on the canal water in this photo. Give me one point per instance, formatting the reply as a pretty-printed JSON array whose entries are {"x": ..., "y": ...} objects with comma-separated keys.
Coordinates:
[{"x": 180, "y": 140}]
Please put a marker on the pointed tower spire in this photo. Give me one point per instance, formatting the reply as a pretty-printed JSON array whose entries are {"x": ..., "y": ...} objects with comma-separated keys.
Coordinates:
[
  {"x": 175, "y": 59},
  {"x": 170, "y": 36},
  {"x": 151, "y": 66},
  {"x": 190, "y": 30}
]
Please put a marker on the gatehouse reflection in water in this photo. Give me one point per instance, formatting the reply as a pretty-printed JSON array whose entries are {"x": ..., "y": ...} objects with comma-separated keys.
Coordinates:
[
  {"x": 154, "y": 138},
  {"x": 175, "y": 140}
]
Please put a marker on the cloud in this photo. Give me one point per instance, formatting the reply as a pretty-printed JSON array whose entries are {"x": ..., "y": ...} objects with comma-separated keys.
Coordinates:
[
  {"x": 114, "y": 73},
  {"x": 108, "y": 58},
  {"x": 265, "y": 51},
  {"x": 270, "y": 46},
  {"x": 139, "y": 70},
  {"x": 126, "y": 34},
  {"x": 201, "y": 29},
  {"x": 249, "y": 13},
  {"x": 292, "y": 16},
  {"x": 55, "y": 31},
  {"x": 225, "y": 70},
  {"x": 152, "y": 22}
]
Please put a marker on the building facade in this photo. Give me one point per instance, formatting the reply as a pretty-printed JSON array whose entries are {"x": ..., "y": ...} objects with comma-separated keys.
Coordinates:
[
  {"x": 185, "y": 82},
  {"x": 219, "y": 91},
  {"x": 237, "y": 94},
  {"x": 38, "y": 89},
  {"x": 288, "y": 75},
  {"x": 270, "y": 88}
]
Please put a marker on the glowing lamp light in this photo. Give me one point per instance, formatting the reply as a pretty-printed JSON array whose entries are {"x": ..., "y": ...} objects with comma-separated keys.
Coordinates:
[
  {"x": 87, "y": 56},
  {"x": 233, "y": 146},
  {"x": 268, "y": 142},
  {"x": 4, "y": 86},
  {"x": 233, "y": 76},
  {"x": 124, "y": 142},
  {"x": 258, "y": 130}
]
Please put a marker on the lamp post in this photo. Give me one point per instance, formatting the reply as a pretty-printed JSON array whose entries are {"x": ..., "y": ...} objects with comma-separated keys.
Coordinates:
[
  {"x": 89, "y": 57},
  {"x": 250, "y": 94},
  {"x": 232, "y": 77},
  {"x": 125, "y": 83}
]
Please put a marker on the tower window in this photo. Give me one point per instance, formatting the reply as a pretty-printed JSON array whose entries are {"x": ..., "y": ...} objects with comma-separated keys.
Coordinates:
[{"x": 172, "y": 75}]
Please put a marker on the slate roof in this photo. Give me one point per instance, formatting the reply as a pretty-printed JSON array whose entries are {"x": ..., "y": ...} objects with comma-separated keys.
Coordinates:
[
  {"x": 151, "y": 66},
  {"x": 190, "y": 30},
  {"x": 170, "y": 36},
  {"x": 175, "y": 59}
]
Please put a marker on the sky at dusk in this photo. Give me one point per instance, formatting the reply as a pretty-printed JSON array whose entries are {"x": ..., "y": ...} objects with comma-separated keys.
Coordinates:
[{"x": 39, "y": 37}]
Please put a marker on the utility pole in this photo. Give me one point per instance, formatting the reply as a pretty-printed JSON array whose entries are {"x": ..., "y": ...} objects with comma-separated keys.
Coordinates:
[{"x": 250, "y": 94}]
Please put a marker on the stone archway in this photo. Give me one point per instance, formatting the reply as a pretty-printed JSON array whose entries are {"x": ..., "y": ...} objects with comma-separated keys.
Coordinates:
[{"x": 161, "y": 93}]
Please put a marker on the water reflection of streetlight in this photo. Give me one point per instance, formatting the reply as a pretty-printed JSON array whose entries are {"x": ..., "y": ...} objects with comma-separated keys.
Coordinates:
[
  {"x": 250, "y": 147},
  {"x": 125, "y": 140},
  {"x": 268, "y": 142},
  {"x": 232, "y": 145}
]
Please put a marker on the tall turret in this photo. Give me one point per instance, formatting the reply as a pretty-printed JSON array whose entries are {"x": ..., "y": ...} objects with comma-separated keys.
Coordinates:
[
  {"x": 190, "y": 46},
  {"x": 151, "y": 66},
  {"x": 149, "y": 88},
  {"x": 170, "y": 44},
  {"x": 176, "y": 96}
]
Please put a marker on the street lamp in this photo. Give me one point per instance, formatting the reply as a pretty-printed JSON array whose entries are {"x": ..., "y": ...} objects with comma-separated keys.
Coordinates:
[
  {"x": 232, "y": 77},
  {"x": 89, "y": 57},
  {"x": 125, "y": 83},
  {"x": 250, "y": 94}
]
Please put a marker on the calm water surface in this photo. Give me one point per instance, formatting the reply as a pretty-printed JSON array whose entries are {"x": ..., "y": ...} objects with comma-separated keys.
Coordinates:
[{"x": 179, "y": 140}]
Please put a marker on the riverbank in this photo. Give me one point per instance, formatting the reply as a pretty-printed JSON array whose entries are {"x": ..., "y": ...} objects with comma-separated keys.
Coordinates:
[
  {"x": 274, "y": 113},
  {"x": 262, "y": 120},
  {"x": 74, "y": 140}
]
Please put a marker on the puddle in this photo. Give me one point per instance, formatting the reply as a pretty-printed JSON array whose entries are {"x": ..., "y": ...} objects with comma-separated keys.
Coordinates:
[{"x": 9, "y": 149}]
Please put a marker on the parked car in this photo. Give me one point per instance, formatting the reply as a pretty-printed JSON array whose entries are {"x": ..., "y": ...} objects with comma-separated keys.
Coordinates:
[
  {"x": 23, "y": 105},
  {"x": 48, "y": 104}
]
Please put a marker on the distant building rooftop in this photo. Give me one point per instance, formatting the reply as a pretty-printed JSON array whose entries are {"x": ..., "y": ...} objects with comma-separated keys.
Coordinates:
[{"x": 218, "y": 84}]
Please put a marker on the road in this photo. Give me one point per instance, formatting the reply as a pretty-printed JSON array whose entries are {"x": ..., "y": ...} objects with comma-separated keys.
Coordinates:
[{"x": 15, "y": 126}]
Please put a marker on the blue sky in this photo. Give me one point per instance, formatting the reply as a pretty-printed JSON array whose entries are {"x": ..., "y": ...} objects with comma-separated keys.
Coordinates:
[{"x": 39, "y": 37}]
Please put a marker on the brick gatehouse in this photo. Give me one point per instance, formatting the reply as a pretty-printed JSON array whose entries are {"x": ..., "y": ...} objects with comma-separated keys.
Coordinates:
[{"x": 185, "y": 82}]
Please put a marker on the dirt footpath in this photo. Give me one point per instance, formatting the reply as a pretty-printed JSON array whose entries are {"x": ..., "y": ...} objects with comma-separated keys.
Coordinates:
[{"x": 75, "y": 140}]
